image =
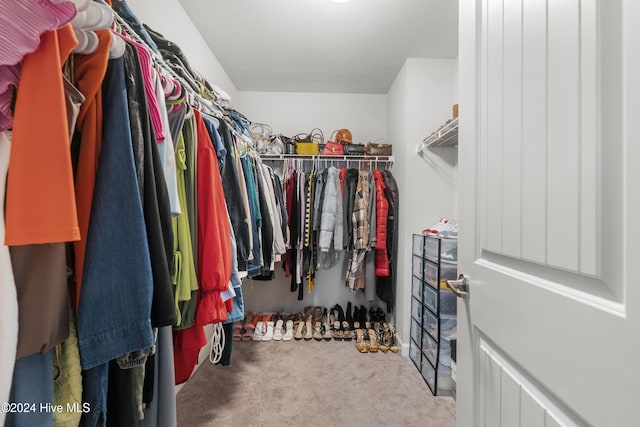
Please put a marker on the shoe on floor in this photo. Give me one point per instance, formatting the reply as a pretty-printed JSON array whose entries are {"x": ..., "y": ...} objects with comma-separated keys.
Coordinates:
[
  {"x": 258, "y": 332},
  {"x": 288, "y": 335},
  {"x": 277, "y": 332},
  {"x": 268, "y": 334}
]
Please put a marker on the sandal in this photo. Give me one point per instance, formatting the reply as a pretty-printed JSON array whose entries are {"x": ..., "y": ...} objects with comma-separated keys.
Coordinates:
[
  {"x": 337, "y": 332},
  {"x": 277, "y": 333},
  {"x": 250, "y": 321},
  {"x": 237, "y": 331},
  {"x": 361, "y": 345},
  {"x": 288, "y": 335},
  {"x": 299, "y": 330},
  {"x": 373, "y": 341}
]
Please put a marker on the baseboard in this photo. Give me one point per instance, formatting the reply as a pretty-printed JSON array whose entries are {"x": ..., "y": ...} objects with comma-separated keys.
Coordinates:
[{"x": 404, "y": 348}]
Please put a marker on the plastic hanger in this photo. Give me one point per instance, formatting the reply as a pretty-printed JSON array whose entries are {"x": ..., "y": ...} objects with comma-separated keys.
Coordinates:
[
  {"x": 87, "y": 42},
  {"x": 81, "y": 5},
  {"x": 117, "y": 47}
]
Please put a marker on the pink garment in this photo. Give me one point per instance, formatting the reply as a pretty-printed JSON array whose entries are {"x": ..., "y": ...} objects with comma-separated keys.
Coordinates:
[
  {"x": 9, "y": 78},
  {"x": 149, "y": 86},
  {"x": 23, "y": 21}
]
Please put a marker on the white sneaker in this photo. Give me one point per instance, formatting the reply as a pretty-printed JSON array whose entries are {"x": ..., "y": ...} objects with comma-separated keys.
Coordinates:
[
  {"x": 268, "y": 335},
  {"x": 277, "y": 333},
  {"x": 288, "y": 335},
  {"x": 258, "y": 332},
  {"x": 444, "y": 228}
]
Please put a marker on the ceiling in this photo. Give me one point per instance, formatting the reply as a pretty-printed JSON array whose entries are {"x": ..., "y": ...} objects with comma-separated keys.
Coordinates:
[{"x": 321, "y": 45}]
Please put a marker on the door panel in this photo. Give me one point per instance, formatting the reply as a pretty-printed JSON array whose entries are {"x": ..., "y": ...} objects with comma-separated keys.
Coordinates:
[{"x": 547, "y": 204}]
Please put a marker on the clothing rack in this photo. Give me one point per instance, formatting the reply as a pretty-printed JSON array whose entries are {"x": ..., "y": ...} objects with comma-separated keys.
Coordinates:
[
  {"x": 385, "y": 161},
  {"x": 194, "y": 99}
]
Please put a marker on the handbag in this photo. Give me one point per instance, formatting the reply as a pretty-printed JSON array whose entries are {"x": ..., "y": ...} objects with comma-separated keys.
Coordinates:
[
  {"x": 261, "y": 135},
  {"x": 333, "y": 149},
  {"x": 354, "y": 149},
  {"x": 378, "y": 149},
  {"x": 308, "y": 144}
]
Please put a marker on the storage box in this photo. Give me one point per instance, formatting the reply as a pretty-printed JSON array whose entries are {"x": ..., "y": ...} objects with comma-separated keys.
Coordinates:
[
  {"x": 444, "y": 378},
  {"x": 417, "y": 266},
  {"x": 431, "y": 274},
  {"x": 416, "y": 331},
  {"x": 416, "y": 310},
  {"x": 418, "y": 244},
  {"x": 416, "y": 287},
  {"x": 430, "y": 348},
  {"x": 448, "y": 325},
  {"x": 448, "y": 302},
  {"x": 430, "y": 298},
  {"x": 432, "y": 248},
  {"x": 414, "y": 354},
  {"x": 430, "y": 323},
  {"x": 435, "y": 247}
]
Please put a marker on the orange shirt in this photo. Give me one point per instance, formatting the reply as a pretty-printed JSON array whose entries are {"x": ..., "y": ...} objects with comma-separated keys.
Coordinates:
[{"x": 41, "y": 206}]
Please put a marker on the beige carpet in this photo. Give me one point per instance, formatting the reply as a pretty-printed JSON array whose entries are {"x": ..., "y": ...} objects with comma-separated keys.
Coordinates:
[{"x": 311, "y": 383}]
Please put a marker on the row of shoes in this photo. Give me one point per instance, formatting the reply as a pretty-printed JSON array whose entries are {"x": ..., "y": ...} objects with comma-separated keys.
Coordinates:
[{"x": 264, "y": 327}]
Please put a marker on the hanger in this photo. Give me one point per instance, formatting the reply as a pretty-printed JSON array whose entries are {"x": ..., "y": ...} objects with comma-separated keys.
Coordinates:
[{"x": 118, "y": 46}]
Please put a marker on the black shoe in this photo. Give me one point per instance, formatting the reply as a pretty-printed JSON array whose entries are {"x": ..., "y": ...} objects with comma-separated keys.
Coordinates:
[
  {"x": 338, "y": 309},
  {"x": 363, "y": 315},
  {"x": 349, "y": 318}
]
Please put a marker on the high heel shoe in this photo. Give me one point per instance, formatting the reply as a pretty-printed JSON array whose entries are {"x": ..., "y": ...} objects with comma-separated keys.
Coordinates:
[
  {"x": 385, "y": 337},
  {"x": 374, "y": 345},
  {"x": 317, "y": 324},
  {"x": 308, "y": 311},
  {"x": 299, "y": 330},
  {"x": 348, "y": 317},
  {"x": 394, "y": 340},
  {"x": 361, "y": 344}
]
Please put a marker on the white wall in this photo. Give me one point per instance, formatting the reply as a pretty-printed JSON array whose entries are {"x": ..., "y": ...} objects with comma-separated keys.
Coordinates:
[
  {"x": 419, "y": 101},
  {"x": 170, "y": 19},
  {"x": 289, "y": 114}
]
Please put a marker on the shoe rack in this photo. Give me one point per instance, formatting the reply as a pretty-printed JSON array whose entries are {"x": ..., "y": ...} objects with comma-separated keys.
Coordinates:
[{"x": 433, "y": 310}]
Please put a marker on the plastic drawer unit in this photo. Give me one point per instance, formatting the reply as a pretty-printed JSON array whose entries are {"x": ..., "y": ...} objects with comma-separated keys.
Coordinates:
[
  {"x": 443, "y": 385},
  {"x": 430, "y": 323},
  {"x": 417, "y": 266},
  {"x": 418, "y": 245},
  {"x": 430, "y": 298},
  {"x": 433, "y": 310},
  {"x": 440, "y": 250},
  {"x": 416, "y": 310},
  {"x": 414, "y": 354},
  {"x": 437, "y": 275},
  {"x": 448, "y": 302},
  {"x": 415, "y": 331},
  {"x": 416, "y": 287}
]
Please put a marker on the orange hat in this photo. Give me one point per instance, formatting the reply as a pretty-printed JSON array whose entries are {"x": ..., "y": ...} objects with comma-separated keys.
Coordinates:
[{"x": 344, "y": 137}]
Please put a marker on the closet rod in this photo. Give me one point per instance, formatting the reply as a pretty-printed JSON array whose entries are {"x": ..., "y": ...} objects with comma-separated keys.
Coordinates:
[
  {"x": 368, "y": 159},
  {"x": 195, "y": 99}
]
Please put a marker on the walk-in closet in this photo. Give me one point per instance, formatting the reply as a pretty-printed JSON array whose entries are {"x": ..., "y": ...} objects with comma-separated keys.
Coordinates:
[{"x": 318, "y": 212}]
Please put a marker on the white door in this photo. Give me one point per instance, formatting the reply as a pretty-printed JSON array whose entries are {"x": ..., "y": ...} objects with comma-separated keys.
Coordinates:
[{"x": 550, "y": 213}]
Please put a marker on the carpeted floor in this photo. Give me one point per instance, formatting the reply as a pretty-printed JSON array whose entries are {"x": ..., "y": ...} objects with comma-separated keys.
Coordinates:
[{"x": 310, "y": 383}]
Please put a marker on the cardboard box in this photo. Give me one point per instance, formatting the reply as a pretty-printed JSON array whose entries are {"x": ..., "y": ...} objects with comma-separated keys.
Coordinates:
[{"x": 455, "y": 111}]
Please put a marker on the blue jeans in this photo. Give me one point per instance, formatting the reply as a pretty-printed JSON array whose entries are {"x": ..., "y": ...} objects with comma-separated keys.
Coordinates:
[{"x": 115, "y": 298}]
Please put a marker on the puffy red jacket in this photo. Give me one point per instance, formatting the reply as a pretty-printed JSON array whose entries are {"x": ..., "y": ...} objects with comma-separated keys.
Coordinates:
[{"x": 382, "y": 214}]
